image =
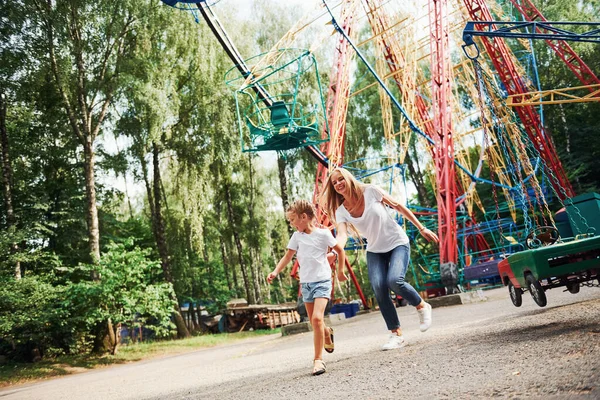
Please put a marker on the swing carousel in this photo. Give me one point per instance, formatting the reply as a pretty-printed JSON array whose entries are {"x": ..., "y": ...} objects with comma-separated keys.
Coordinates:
[
  {"x": 444, "y": 103},
  {"x": 283, "y": 120}
]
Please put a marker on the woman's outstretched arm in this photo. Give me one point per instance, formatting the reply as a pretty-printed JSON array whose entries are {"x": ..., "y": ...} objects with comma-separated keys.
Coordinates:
[
  {"x": 342, "y": 234},
  {"x": 426, "y": 233}
]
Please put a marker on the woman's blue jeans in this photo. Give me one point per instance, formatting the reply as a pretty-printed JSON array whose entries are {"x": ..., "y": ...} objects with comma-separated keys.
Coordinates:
[{"x": 387, "y": 272}]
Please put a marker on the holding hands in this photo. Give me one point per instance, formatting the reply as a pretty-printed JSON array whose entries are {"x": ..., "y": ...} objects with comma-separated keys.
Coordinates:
[{"x": 332, "y": 258}]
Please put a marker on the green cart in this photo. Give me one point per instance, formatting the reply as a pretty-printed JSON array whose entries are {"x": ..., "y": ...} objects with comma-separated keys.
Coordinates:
[{"x": 537, "y": 270}]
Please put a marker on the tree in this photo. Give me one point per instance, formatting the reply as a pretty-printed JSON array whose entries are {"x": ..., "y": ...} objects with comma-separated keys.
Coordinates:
[
  {"x": 153, "y": 97},
  {"x": 130, "y": 292},
  {"x": 7, "y": 179},
  {"x": 85, "y": 44}
]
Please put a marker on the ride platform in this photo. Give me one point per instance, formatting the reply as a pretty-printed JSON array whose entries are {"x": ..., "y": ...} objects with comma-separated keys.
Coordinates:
[
  {"x": 484, "y": 272},
  {"x": 242, "y": 316}
]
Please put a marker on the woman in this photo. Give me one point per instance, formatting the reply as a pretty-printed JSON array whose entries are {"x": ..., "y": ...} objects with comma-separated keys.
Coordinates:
[{"x": 363, "y": 207}]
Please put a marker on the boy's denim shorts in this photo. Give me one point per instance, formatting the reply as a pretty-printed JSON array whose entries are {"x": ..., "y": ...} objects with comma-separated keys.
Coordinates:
[{"x": 314, "y": 290}]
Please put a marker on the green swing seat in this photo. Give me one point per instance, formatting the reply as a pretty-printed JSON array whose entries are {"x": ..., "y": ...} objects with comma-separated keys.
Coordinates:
[
  {"x": 272, "y": 115},
  {"x": 285, "y": 134},
  {"x": 280, "y": 116}
]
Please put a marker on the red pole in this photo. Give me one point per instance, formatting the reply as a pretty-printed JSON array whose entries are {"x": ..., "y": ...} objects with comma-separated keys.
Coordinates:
[
  {"x": 336, "y": 109},
  {"x": 357, "y": 285},
  {"x": 442, "y": 121}
]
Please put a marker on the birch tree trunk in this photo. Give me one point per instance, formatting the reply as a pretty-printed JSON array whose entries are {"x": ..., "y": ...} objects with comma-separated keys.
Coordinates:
[
  {"x": 161, "y": 241},
  {"x": 254, "y": 266},
  {"x": 234, "y": 270},
  {"x": 284, "y": 188},
  {"x": 86, "y": 90},
  {"x": 7, "y": 179},
  {"x": 222, "y": 247},
  {"x": 238, "y": 244},
  {"x": 90, "y": 194}
]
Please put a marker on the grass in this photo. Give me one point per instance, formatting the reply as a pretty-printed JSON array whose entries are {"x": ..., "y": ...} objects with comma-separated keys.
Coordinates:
[{"x": 16, "y": 373}]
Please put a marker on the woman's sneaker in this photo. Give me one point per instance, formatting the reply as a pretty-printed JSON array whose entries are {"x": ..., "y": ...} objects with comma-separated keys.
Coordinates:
[
  {"x": 394, "y": 342},
  {"x": 425, "y": 317}
]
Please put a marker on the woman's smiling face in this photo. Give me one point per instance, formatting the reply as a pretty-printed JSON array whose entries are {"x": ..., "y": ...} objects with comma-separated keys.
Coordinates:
[{"x": 339, "y": 182}]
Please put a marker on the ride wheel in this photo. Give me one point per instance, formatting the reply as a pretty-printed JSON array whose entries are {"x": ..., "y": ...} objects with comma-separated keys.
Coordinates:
[
  {"x": 536, "y": 290},
  {"x": 573, "y": 287},
  {"x": 515, "y": 294}
]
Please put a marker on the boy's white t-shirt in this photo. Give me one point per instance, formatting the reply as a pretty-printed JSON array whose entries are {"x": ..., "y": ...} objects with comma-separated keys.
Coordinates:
[
  {"x": 382, "y": 232},
  {"x": 311, "y": 251}
]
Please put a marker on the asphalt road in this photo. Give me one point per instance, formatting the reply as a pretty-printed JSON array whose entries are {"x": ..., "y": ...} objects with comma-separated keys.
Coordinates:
[{"x": 474, "y": 351}]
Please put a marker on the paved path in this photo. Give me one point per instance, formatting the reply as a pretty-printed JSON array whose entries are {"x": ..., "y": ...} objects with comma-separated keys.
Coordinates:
[{"x": 475, "y": 351}]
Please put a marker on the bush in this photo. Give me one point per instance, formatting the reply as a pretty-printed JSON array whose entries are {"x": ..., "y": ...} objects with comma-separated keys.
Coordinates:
[
  {"x": 49, "y": 316},
  {"x": 130, "y": 290},
  {"x": 32, "y": 319}
]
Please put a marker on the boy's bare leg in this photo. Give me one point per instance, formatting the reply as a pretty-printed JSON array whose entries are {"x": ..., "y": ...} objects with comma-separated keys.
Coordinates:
[
  {"x": 316, "y": 313},
  {"x": 319, "y": 325}
]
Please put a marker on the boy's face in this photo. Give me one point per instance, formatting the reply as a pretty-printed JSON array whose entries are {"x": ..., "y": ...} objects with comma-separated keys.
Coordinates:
[{"x": 299, "y": 222}]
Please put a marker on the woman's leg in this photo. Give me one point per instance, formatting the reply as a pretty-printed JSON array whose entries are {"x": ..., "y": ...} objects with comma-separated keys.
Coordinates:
[
  {"x": 396, "y": 276},
  {"x": 377, "y": 264}
]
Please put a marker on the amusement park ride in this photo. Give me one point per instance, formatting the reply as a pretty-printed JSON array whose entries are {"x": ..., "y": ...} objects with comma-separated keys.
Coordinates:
[{"x": 277, "y": 112}]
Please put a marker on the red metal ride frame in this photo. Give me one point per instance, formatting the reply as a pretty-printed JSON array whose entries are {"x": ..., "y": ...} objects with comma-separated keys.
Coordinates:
[
  {"x": 505, "y": 66},
  {"x": 444, "y": 147},
  {"x": 439, "y": 129},
  {"x": 562, "y": 48},
  {"x": 336, "y": 108},
  {"x": 396, "y": 61}
]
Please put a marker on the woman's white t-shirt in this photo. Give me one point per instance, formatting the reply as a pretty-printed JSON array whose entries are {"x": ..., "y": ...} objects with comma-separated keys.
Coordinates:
[
  {"x": 311, "y": 251},
  {"x": 382, "y": 232}
]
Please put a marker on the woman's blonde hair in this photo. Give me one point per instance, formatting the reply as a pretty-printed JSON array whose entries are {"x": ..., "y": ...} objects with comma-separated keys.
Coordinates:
[
  {"x": 300, "y": 207},
  {"x": 333, "y": 200}
]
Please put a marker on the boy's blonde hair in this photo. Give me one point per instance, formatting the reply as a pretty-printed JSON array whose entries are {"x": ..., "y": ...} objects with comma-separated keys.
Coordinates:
[{"x": 300, "y": 207}]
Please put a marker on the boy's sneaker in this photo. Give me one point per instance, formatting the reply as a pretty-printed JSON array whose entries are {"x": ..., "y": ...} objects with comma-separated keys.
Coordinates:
[
  {"x": 394, "y": 342},
  {"x": 425, "y": 317}
]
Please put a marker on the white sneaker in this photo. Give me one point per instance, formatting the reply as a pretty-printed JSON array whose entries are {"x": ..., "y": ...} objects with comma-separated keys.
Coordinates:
[
  {"x": 394, "y": 342},
  {"x": 425, "y": 317}
]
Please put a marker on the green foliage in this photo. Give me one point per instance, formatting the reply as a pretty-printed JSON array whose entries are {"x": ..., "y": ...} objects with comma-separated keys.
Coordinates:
[
  {"x": 119, "y": 230},
  {"x": 57, "y": 313},
  {"x": 32, "y": 316},
  {"x": 27, "y": 253},
  {"x": 129, "y": 291}
]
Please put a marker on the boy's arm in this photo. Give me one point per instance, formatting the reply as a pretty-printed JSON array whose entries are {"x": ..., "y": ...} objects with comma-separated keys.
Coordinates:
[
  {"x": 285, "y": 260},
  {"x": 341, "y": 262}
]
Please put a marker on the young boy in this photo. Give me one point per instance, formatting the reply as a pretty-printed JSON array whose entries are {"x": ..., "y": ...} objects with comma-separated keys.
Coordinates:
[{"x": 310, "y": 244}]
